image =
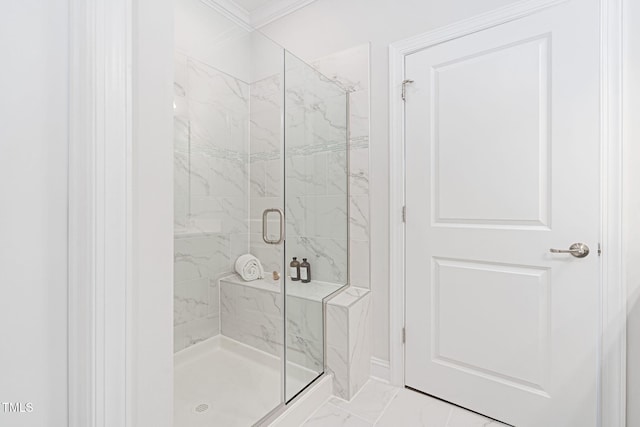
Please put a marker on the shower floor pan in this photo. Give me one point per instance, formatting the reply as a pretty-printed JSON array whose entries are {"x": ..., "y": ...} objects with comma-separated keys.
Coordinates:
[{"x": 221, "y": 382}]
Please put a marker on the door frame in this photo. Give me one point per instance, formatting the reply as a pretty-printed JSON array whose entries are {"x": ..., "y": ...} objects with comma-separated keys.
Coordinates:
[
  {"x": 613, "y": 305},
  {"x": 120, "y": 213}
]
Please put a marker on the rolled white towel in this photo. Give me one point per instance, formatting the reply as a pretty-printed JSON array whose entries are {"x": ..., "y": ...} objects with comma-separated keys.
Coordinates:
[{"x": 249, "y": 268}]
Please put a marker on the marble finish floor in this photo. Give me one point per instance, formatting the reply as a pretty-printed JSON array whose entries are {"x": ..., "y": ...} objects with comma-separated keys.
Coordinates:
[{"x": 380, "y": 404}]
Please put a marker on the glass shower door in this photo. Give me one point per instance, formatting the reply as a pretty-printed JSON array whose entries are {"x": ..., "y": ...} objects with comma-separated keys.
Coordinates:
[
  {"x": 316, "y": 207},
  {"x": 266, "y": 198},
  {"x": 260, "y": 171}
]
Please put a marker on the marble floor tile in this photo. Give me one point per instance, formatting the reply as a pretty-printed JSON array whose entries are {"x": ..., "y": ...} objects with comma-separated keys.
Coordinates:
[
  {"x": 370, "y": 402},
  {"x": 237, "y": 385},
  {"x": 463, "y": 418},
  {"x": 382, "y": 405},
  {"x": 329, "y": 415},
  {"x": 410, "y": 408}
]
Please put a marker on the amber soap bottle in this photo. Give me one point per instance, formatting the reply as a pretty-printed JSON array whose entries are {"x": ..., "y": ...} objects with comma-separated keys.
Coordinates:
[
  {"x": 305, "y": 271},
  {"x": 294, "y": 268}
]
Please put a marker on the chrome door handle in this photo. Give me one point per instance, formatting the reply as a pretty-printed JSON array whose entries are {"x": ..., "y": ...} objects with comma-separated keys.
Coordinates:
[
  {"x": 265, "y": 237},
  {"x": 578, "y": 250}
]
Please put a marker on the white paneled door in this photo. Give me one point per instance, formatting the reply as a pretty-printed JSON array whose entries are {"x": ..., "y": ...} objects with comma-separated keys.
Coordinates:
[{"x": 502, "y": 164}]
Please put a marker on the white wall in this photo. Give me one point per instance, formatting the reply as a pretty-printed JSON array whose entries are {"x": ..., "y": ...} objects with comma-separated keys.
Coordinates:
[
  {"x": 150, "y": 379},
  {"x": 33, "y": 210},
  {"x": 328, "y": 26},
  {"x": 632, "y": 206}
]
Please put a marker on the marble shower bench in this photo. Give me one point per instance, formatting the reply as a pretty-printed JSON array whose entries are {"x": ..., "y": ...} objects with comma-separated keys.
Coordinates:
[{"x": 251, "y": 312}]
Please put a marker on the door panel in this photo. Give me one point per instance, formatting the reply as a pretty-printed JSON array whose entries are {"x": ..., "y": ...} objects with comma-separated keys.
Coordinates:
[
  {"x": 502, "y": 164},
  {"x": 508, "y": 113},
  {"x": 468, "y": 290}
]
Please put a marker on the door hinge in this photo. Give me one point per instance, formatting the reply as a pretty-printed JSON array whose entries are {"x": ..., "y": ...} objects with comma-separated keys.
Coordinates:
[
  {"x": 599, "y": 249},
  {"x": 404, "y": 335},
  {"x": 404, "y": 88},
  {"x": 404, "y": 214}
]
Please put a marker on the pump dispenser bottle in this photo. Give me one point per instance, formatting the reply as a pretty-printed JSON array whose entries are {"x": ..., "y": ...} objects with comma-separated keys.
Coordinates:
[
  {"x": 305, "y": 271},
  {"x": 294, "y": 268}
]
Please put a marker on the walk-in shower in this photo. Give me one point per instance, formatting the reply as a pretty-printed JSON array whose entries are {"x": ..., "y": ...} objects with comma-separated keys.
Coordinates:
[{"x": 261, "y": 168}]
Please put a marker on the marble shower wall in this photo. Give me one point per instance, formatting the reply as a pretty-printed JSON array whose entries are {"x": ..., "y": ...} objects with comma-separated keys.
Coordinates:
[
  {"x": 350, "y": 69},
  {"x": 315, "y": 168},
  {"x": 211, "y": 192},
  {"x": 228, "y": 139},
  {"x": 348, "y": 320},
  {"x": 316, "y": 176},
  {"x": 265, "y": 165}
]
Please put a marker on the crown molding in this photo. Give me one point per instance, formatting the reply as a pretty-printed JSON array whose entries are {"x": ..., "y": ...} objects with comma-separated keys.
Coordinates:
[
  {"x": 261, "y": 16},
  {"x": 275, "y": 10},
  {"x": 232, "y": 11}
]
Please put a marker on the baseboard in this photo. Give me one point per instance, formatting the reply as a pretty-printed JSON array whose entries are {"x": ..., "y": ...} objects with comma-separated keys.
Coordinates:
[{"x": 380, "y": 369}]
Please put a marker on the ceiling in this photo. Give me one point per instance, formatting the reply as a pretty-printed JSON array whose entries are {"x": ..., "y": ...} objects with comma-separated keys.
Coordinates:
[
  {"x": 256, "y": 13},
  {"x": 252, "y": 5}
]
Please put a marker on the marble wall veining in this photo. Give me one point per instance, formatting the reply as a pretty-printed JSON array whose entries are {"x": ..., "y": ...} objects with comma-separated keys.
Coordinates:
[
  {"x": 210, "y": 192},
  {"x": 265, "y": 165},
  {"x": 348, "y": 323},
  {"x": 350, "y": 69},
  {"x": 251, "y": 313},
  {"x": 315, "y": 168},
  {"x": 316, "y": 171},
  {"x": 349, "y": 340},
  {"x": 229, "y": 139}
]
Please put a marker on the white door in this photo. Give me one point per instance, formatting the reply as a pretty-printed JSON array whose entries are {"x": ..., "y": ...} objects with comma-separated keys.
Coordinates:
[{"x": 502, "y": 164}]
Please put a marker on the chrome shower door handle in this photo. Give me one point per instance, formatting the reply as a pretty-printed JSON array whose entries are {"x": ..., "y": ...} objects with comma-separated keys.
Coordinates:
[
  {"x": 265, "y": 235},
  {"x": 578, "y": 250}
]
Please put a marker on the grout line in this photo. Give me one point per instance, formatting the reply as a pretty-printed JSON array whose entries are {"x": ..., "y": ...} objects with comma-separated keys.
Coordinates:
[
  {"x": 316, "y": 410},
  {"x": 328, "y": 402},
  {"x": 349, "y": 412},
  {"x": 449, "y": 417},
  {"x": 452, "y": 408},
  {"x": 355, "y": 395},
  {"x": 387, "y": 405},
  {"x": 397, "y": 390}
]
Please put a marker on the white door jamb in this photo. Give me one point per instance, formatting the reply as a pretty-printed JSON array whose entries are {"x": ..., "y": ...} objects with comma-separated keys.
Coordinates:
[
  {"x": 99, "y": 210},
  {"x": 120, "y": 213}
]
